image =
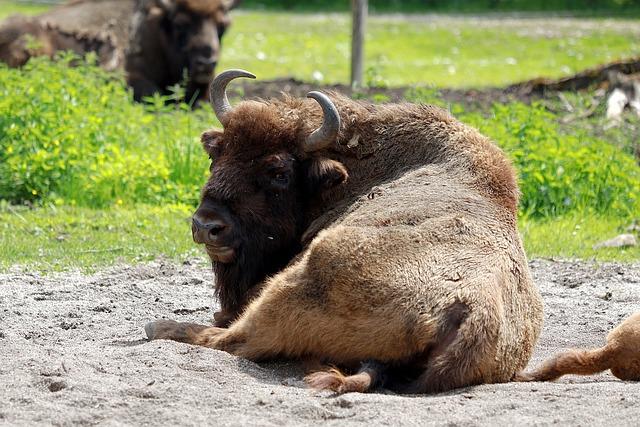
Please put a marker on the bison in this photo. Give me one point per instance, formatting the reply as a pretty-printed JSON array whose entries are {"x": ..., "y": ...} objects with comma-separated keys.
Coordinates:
[
  {"x": 159, "y": 43},
  {"x": 175, "y": 39},
  {"x": 374, "y": 236},
  {"x": 22, "y": 38}
]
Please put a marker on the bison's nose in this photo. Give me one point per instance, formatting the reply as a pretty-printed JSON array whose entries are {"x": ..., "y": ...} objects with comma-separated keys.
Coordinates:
[
  {"x": 206, "y": 61},
  {"x": 207, "y": 232}
]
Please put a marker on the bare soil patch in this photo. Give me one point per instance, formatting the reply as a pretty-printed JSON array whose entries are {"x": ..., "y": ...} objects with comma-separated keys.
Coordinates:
[
  {"x": 296, "y": 88},
  {"x": 72, "y": 351}
]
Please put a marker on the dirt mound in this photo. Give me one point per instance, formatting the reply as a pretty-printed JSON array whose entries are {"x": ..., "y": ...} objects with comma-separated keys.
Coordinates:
[
  {"x": 73, "y": 352},
  {"x": 273, "y": 88}
]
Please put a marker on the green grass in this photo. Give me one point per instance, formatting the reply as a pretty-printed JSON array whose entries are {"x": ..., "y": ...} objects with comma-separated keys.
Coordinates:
[
  {"x": 574, "y": 236},
  {"x": 77, "y": 138},
  {"x": 73, "y": 135},
  {"x": 112, "y": 180},
  {"x": 611, "y": 7},
  {"x": 58, "y": 238},
  {"x": 77, "y": 141},
  {"x": 442, "y": 51},
  {"x": 8, "y": 8},
  {"x": 601, "y": 7},
  {"x": 438, "y": 51}
]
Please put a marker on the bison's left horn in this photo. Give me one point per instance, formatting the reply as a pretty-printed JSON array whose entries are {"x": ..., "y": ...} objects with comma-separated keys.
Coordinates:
[
  {"x": 326, "y": 134},
  {"x": 218, "y": 91}
]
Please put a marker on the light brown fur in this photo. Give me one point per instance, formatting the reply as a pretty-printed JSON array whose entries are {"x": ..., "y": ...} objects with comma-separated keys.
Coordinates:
[
  {"x": 621, "y": 355},
  {"x": 415, "y": 261}
]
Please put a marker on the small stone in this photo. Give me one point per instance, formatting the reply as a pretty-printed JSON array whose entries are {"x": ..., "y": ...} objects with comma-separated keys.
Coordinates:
[
  {"x": 633, "y": 228},
  {"x": 57, "y": 386},
  {"x": 621, "y": 241},
  {"x": 607, "y": 296}
]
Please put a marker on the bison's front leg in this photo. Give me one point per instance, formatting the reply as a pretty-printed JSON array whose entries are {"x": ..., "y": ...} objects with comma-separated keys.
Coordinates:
[{"x": 191, "y": 333}]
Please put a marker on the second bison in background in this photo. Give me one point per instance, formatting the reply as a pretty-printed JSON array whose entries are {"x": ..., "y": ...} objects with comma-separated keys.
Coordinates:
[
  {"x": 175, "y": 40},
  {"x": 159, "y": 43},
  {"x": 385, "y": 237}
]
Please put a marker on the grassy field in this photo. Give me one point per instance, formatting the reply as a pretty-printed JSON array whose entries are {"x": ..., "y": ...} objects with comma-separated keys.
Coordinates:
[
  {"x": 58, "y": 238},
  {"x": 8, "y": 7},
  {"x": 437, "y": 50},
  {"x": 55, "y": 238},
  {"x": 431, "y": 50},
  {"x": 109, "y": 180}
]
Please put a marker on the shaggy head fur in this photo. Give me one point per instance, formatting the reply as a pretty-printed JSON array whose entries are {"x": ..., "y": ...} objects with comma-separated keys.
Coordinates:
[{"x": 261, "y": 183}]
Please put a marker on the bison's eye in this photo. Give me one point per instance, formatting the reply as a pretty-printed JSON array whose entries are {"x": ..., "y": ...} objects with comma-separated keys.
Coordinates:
[{"x": 280, "y": 180}]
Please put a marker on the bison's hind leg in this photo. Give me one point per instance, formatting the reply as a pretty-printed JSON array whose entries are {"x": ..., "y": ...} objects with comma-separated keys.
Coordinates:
[
  {"x": 463, "y": 353},
  {"x": 370, "y": 376}
]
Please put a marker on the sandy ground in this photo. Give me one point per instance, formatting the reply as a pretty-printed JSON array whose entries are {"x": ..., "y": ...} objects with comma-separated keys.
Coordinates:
[{"x": 72, "y": 352}]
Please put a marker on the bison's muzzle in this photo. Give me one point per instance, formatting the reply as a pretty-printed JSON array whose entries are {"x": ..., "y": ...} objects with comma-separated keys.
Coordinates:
[{"x": 213, "y": 232}]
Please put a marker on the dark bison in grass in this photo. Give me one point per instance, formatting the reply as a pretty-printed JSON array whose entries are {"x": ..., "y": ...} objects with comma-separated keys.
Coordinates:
[
  {"x": 380, "y": 239},
  {"x": 159, "y": 43}
]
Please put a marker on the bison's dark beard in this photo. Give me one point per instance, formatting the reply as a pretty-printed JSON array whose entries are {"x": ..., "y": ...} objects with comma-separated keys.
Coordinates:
[{"x": 238, "y": 282}]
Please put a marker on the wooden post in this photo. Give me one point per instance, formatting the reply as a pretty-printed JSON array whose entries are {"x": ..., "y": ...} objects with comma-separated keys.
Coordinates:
[{"x": 359, "y": 9}]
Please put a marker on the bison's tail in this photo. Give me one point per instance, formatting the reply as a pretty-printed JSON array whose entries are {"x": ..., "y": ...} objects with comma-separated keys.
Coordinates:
[{"x": 578, "y": 362}]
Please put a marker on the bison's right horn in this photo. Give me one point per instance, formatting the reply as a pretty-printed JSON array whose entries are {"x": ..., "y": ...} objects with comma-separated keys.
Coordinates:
[
  {"x": 218, "y": 91},
  {"x": 326, "y": 134}
]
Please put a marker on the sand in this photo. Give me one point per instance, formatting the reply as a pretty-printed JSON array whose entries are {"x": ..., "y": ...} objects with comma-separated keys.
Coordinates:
[{"x": 72, "y": 351}]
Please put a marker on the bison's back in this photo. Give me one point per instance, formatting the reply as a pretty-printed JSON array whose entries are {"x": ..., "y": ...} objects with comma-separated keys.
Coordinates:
[
  {"x": 94, "y": 17},
  {"x": 419, "y": 245}
]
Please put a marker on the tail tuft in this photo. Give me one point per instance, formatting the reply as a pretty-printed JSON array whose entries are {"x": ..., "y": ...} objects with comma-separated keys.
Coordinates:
[
  {"x": 332, "y": 379},
  {"x": 370, "y": 375}
]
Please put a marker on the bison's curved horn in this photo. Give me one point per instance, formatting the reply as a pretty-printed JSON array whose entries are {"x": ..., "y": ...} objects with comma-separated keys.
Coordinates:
[
  {"x": 218, "y": 91},
  {"x": 326, "y": 134}
]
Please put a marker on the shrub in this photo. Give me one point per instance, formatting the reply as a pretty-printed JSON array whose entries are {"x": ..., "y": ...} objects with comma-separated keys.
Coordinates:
[
  {"x": 560, "y": 173},
  {"x": 74, "y": 135}
]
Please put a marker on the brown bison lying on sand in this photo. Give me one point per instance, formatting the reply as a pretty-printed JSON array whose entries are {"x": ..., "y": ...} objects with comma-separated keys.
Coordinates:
[
  {"x": 159, "y": 43},
  {"x": 375, "y": 236}
]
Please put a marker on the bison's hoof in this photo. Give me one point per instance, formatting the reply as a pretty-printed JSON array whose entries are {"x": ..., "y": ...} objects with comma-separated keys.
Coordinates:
[{"x": 159, "y": 329}]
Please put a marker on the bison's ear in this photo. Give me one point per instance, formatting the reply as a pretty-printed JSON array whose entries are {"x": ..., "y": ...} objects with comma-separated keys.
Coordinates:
[
  {"x": 212, "y": 142},
  {"x": 324, "y": 174}
]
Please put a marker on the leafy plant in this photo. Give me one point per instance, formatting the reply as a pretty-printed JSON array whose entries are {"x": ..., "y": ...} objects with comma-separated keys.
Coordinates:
[
  {"x": 561, "y": 173},
  {"x": 73, "y": 135}
]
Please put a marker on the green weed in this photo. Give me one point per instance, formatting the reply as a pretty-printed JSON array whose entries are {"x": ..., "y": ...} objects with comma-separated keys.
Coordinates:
[
  {"x": 73, "y": 135},
  {"x": 561, "y": 173}
]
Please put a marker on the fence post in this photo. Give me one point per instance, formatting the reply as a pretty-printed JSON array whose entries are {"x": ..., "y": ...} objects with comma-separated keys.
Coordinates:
[{"x": 359, "y": 10}]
